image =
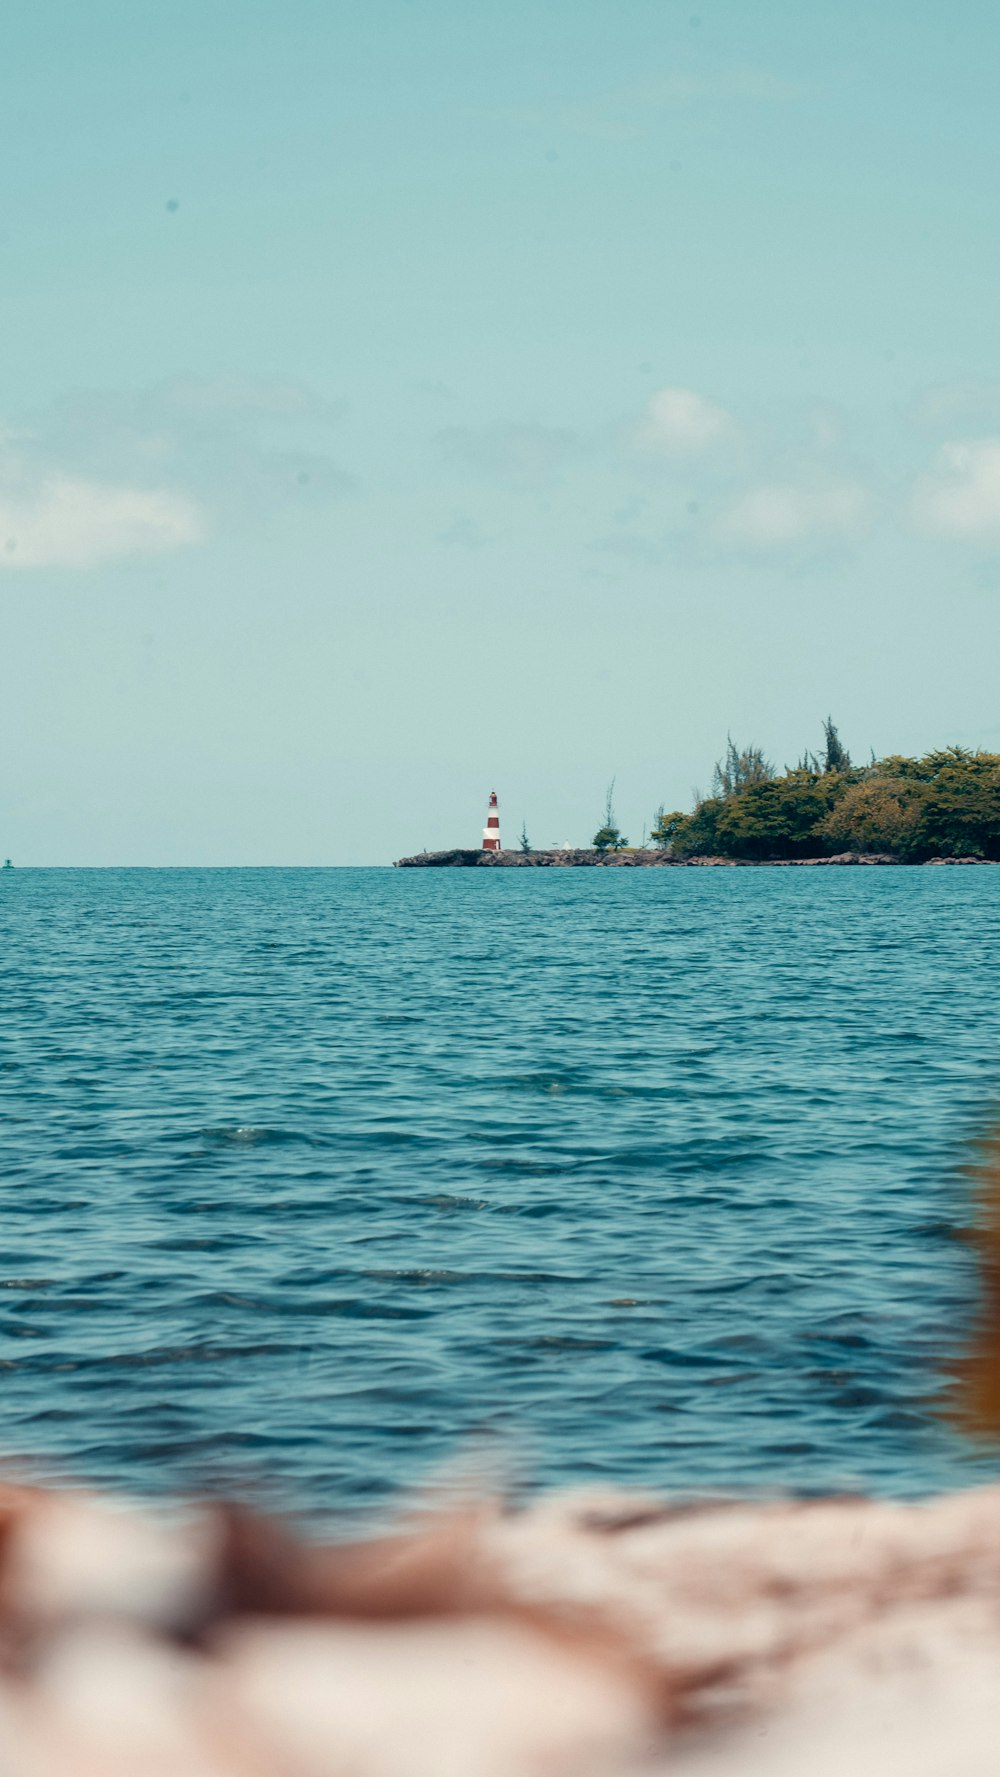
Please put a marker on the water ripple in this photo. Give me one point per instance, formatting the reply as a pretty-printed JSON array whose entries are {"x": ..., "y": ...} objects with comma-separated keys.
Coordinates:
[{"x": 656, "y": 1174}]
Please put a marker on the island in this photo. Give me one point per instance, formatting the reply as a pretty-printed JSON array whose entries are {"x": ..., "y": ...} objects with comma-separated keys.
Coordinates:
[{"x": 940, "y": 808}]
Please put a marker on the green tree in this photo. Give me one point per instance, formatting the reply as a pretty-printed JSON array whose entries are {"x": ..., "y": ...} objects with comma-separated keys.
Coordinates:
[
  {"x": 525, "y": 841},
  {"x": 696, "y": 836},
  {"x": 946, "y": 804},
  {"x": 741, "y": 766},
  {"x": 960, "y": 809},
  {"x": 667, "y": 828},
  {"x": 879, "y": 814},
  {"x": 835, "y": 754},
  {"x": 774, "y": 819},
  {"x": 609, "y": 837}
]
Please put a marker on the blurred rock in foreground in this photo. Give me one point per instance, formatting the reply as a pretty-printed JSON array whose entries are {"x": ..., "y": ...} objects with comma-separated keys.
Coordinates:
[{"x": 583, "y": 1637}]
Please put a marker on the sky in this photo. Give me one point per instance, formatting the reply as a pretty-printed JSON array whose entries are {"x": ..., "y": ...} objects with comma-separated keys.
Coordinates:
[{"x": 410, "y": 399}]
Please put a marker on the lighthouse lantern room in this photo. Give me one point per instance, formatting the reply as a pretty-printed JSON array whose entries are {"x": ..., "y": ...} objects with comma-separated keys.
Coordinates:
[{"x": 491, "y": 831}]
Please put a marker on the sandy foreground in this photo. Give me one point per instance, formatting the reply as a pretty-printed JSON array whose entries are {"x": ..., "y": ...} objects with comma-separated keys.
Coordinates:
[{"x": 589, "y": 1635}]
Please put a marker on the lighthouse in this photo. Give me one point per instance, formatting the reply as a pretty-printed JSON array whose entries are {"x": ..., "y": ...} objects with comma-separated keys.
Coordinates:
[{"x": 491, "y": 831}]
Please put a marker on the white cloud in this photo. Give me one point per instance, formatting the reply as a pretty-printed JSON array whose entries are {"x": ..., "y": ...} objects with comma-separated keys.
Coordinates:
[
  {"x": 782, "y": 514},
  {"x": 67, "y": 522},
  {"x": 960, "y": 497},
  {"x": 105, "y": 474},
  {"x": 680, "y": 422}
]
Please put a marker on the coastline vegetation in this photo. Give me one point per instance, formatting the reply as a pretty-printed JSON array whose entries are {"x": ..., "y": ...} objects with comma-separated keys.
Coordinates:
[
  {"x": 609, "y": 836},
  {"x": 943, "y": 805}
]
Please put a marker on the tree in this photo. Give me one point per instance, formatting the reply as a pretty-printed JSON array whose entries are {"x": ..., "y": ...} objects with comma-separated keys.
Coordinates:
[
  {"x": 608, "y": 837},
  {"x": 525, "y": 841},
  {"x": 695, "y": 835},
  {"x": 667, "y": 827},
  {"x": 879, "y": 814},
  {"x": 739, "y": 769},
  {"x": 946, "y": 804},
  {"x": 835, "y": 757},
  {"x": 773, "y": 819},
  {"x": 960, "y": 805}
]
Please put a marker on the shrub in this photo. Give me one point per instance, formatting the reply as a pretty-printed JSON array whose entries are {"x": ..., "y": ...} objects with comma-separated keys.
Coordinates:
[{"x": 880, "y": 814}]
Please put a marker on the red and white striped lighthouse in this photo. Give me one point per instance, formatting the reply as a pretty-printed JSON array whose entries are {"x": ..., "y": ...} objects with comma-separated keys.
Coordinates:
[{"x": 491, "y": 831}]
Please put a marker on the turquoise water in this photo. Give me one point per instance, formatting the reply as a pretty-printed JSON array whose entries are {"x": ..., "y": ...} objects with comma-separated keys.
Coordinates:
[{"x": 640, "y": 1176}]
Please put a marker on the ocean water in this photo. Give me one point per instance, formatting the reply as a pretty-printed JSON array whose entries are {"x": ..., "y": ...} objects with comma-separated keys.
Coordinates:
[{"x": 328, "y": 1179}]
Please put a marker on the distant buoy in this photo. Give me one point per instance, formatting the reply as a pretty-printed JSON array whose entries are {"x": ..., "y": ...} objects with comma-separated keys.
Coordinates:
[
  {"x": 7, "y": 864},
  {"x": 491, "y": 831}
]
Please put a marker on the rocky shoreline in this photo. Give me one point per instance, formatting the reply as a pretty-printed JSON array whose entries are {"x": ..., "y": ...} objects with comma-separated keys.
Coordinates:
[{"x": 582, "y": 859}]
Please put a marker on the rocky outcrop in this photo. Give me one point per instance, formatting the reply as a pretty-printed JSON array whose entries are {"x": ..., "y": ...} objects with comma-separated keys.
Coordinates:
[
  {"x": 843, "y": 857},
  {"x": 539, "y": 860},
  {"x": 624, "y": 860}
]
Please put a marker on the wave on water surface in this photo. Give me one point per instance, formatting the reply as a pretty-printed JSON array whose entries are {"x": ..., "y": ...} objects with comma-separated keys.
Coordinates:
[{"x": 655, "y": 1173}]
